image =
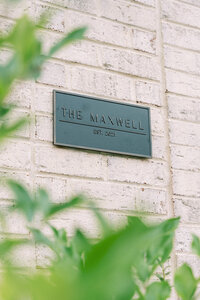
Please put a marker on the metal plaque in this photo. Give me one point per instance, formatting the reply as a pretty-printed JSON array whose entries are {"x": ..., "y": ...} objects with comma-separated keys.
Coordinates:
[{"x": 89, "y": 123}]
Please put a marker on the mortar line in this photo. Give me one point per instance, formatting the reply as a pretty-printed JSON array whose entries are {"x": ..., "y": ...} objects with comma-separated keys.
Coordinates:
[{"x": 166, "y": 113}]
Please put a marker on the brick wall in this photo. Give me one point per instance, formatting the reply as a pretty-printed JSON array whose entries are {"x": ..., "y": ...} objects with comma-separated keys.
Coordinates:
[{"x": 142, "y": 51}]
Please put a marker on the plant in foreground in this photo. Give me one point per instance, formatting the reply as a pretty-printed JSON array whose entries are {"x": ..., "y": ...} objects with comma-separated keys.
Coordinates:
[{"x": 120, "y": 265}]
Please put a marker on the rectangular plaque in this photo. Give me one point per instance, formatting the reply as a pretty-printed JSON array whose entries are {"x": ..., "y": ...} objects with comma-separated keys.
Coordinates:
[{"x": 102, "y": 125}]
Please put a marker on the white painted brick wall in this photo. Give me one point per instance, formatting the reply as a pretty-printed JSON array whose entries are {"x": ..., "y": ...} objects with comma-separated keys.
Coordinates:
[
  {"x": 179, "y": 12},
  {"x": 100, "y": 83},
  {"x": 100, "y": 29},
  {"x": 147, "y": 2},
  {"x": 129, "y": 13},
  {"x": 182, "y": 60},
  {"x": 148, "y": 93},
  {"x": 187, "y": 208},
  {"x": 83, "y": 5},
  {"x": 130, "y": 63},
  {"x": 184, "y": 108},
  {"x": 69, "y": 162},
  {"x": 181, "y": 36},
  {"x": 142, "y": 51}
]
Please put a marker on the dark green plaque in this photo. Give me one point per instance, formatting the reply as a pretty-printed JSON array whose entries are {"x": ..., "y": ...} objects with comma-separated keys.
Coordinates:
[{"x": 95, "y": 124}]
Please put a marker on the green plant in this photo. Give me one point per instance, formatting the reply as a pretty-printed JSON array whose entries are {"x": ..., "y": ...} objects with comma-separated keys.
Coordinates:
[
  {"x": 121, "y": 264},
  {"x": 117, "y": 266},
  {"x": 26, "y": 62}
]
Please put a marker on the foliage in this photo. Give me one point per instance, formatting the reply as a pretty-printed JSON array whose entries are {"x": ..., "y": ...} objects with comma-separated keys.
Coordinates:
[
  {"x": 117, "y": 266},
  {"x": 25, "y": 62},
  {"x": 122, "y": 264}
]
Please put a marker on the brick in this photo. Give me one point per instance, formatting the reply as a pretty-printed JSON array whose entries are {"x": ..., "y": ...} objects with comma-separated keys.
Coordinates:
[
  {"x": 191, "y": 260},
  {"x": 130, "y": 63},
  {"x": 54, "y": 74},
  {"x": 83, "y": 5},
  {"x": 44, "y": 255},
  {"x": 24, "y": 256},
  {"x": 174, "y": 11},
  {"x": 152, "y": 201},
  {"x": 15, "y": 223},
  {"x": 183, "y": 84},
  {"x": 183, "y": 238},
  {"x": 188, "y": 209},
  {"x": 184, "y": 133},
  {"x": 106, "y": 195},
  {"x": 5, "y": 56},
  {"x": 182, "y": 60},
  {"x": 186, "y": 183},
  {"x": 15, "y": 154},
  {"x": 69, "y": 162},
  {"x": 159, "y": 147},
  {"x": 44, "y": 128},
  {"x": 147, "y": 2},
  {"x": 24, "y": 131},
  {"x": 5, "y": 26},
  {"x": 124, "y": 197},
  {"x": 157, "y": 121},
  {"x": 56, "y": 20},
  {"x": 15, "y": 10},
  {"x": 148, "y": 93},
  {"x": 22, "y": 94},
  {"x": 5, "y": 192},
  {"x": 184, "y": 108},
  {"x": 137, "y": 171},
  {"x": 144, "y": 41},
  {"x": 180, "y": 36},
  {"x": 83, "y": 52},
  {"x": 129, "y": 13},
  {"x": 185, "y": 158},
  {"x": 86, "y": 221},
  {"x": 100, "y": 29},
  {"x": 43, "y": 99},
  {"x": 57, "y": 188},
  {"x": 193, "y": 2},
  {"x": 100, "y": 83}
]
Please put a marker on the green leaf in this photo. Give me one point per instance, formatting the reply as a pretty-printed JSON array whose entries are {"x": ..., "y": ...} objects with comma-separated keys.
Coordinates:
[
  {"x": 105, "y": 226},
  {"x": 8, "y": 130},
  {"x": 185, "y": 283},
  {"x": 24, "y": 201},
  {"x": 8, "y": 244},
  {"x": 55, "y": 208},
  {"x": 161, "y": 249},
  {"x": 41, "y": 238},
  {"x": 4, "y": 110},
  {"x": 196, "y": 244},
  {"x": 73, "y": 36},
  {"x": 42, "y": 201},
  {"x": 158, "y": 291}
]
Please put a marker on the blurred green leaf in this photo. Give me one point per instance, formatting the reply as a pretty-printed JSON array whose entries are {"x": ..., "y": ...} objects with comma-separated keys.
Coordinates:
[
  {"x": 158, "y": 291},
  {"x": 75, "y": 35},
  {"x": 196, "y": 244},
  {"x": 42, "y": 201},
  {"x": 40, "y": 238},
  {"x": 185, "y": 283},
  {"x": 161, "y": 249},
  {"x": 24, "y": 201},
  {"x": 7, "y": 130},
  {"x": 7, "y": 245},
  {"x": 56, "y": 208}
]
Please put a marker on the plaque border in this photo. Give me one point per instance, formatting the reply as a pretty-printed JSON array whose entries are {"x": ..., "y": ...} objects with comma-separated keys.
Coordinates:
[{"x": 94, "y": 148}]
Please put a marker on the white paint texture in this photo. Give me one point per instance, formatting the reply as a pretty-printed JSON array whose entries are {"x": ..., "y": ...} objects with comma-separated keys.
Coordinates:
[{"x": 142, "y": 51}]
